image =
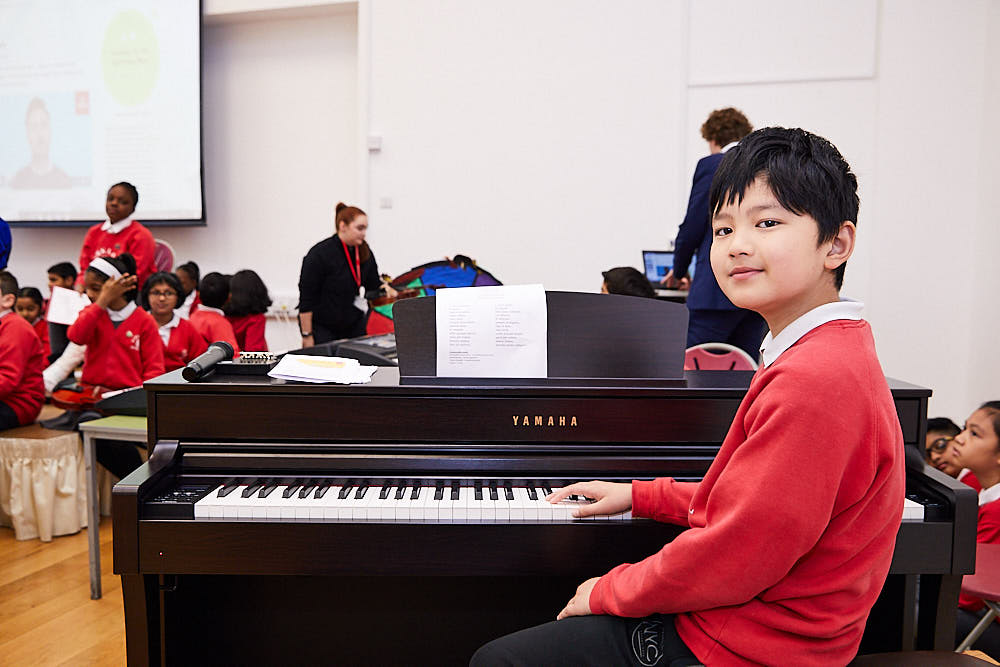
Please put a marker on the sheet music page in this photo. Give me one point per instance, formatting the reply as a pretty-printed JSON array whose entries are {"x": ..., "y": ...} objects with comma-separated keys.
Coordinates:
[
  {"x": 65, "y": 305},
  {"x": 496, "y": 331}
]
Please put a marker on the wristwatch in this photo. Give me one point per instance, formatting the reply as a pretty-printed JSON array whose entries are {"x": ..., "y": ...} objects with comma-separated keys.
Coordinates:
[{"x": 306, "y": 334}]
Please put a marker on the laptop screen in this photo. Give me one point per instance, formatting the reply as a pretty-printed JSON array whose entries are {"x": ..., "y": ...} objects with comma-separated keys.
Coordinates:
[{"x": 658, "y": 263}]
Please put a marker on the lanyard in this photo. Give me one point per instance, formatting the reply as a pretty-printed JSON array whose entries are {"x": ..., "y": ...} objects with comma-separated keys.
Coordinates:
[{"x": 356, "y": 267}]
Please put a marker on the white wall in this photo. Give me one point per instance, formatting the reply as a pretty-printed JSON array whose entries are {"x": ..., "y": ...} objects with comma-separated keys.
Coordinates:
[{"x": 551, "y": 139}]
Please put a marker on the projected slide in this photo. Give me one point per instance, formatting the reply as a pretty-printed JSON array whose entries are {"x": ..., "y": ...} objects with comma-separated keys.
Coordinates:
[{"x": 93, "y": 92}]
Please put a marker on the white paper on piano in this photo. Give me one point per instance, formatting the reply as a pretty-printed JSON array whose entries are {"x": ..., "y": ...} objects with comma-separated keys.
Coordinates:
[
  {"x": 305, "y": 368},
  {"x": 65, "y": 305},
  {"x": 499, "y": 332}
]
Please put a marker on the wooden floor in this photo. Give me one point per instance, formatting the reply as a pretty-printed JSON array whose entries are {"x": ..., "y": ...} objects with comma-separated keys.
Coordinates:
[{"x": 46, "y": 614}]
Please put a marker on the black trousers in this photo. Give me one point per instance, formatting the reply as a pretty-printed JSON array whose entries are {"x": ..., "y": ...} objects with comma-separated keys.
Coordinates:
[
  {"x": 743, "y": 328},
  {"x": 8, "y": 419},
  {"x": 591, "y": 640},
  {"x": 988, "y": 642},
  {"x": 120, "y": 458}
]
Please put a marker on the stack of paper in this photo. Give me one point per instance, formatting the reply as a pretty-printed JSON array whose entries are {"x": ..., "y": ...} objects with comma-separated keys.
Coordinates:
[
  {"x": 65, "y": 305},
  {"x": 321, "y": 369}
]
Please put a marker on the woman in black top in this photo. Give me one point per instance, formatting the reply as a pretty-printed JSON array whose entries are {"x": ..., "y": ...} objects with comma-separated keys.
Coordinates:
[{"x": 336, "y": 272}]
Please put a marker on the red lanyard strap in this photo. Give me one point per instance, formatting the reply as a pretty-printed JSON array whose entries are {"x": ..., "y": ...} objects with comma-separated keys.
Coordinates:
[{"x": 356, "y": 267}]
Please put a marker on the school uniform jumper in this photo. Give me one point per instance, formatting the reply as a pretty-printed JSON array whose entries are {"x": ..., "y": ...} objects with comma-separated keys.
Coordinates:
[
  {"x": 182, "y": 343},
  {"x": 111, "y": 240},
  {"x": 213, "y": 326},
  {"x": 792, "y": 529},
  {"x": 249, "y": 330},
  {"x": 41, "y": 327},
  {"x": 21, "y": 363},
  {"x": 119, "y": 356}
]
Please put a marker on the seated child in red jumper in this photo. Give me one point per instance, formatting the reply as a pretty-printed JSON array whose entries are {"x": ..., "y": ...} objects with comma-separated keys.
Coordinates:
[
  {"x": 61, "y": 274},
  {"x": 31, "y": 307},
  {"x": 182, "y": 343},
  {"x": 123, "y": 345},
  {"x": 977, "y": 448},
  {"x": 21, "y": 389},
  {"x": 248, "y": 301},
  {"x": 791, "y": 532},
  {"x": 209, "y": 320},
  {"x": 190, "y": 275}
]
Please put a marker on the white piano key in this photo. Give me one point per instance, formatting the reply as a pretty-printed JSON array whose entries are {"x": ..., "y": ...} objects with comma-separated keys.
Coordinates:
[{"x": 912, "y": 510}]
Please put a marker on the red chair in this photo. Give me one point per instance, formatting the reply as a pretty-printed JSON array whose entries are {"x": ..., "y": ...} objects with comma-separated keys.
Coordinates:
[
  {"x": 985, "y": 584},
  {"x": 163, "y": 255},
  {"x": 717, "y": 357}
]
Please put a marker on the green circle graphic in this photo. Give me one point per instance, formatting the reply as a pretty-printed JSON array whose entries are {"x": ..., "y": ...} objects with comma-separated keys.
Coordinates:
[{"x": 130, "y": 58}]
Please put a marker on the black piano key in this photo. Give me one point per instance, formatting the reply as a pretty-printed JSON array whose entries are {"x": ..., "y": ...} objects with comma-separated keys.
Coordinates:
[
  {"x": 252, "y": 488},
  {"x": 547, "y": 489},
  {"x": 228, "y": 488},
  {"x": 362, "y": 490},
  {"x": 478, "y": 490},
  {"x": 532, "y": 493},
  {"x": 291, "y": 488},
  {"x": 439, "y": 491},
  {"x": 384, "y": 493},
  {"x": 508, "y": 492},
  {"x": 346, "y": 490},
  {"x": 415, "y": 495},
  {"x": 456, "y": 487},
  {"x": 493, "y": 491},
  {"x": 268, "y": 489},
  {"x": 322, "y": 489},
  {"x": 307, "y": 488},
  {"x": 400, "y": 491}
]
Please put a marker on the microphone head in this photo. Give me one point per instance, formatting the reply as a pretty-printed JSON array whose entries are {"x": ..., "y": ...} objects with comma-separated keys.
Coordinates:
[{"x": 225, "y": 347}]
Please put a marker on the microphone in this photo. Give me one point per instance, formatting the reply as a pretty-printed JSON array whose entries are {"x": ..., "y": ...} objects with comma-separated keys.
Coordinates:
[{"x": 201, "y": 366}]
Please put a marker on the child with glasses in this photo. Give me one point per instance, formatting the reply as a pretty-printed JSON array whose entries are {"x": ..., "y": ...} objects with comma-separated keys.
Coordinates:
[{"x": 182, "y": 343}]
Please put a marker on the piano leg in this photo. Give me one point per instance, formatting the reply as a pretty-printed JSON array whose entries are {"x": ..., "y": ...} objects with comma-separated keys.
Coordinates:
[
  {"x": 938, "y": 611},
  {"x": 141, "y": 598}
]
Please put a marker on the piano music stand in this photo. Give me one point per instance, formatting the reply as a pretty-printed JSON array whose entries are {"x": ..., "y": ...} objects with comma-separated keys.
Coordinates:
[{"x": 596, "y": 340}]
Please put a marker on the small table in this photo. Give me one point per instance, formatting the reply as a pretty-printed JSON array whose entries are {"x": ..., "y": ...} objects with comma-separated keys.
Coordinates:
[{"x": 118, "y": 427}]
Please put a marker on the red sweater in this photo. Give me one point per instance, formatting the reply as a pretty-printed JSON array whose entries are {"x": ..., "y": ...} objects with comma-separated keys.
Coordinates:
[
  {"x": 249, "y": 330},
  {"x": 41, "y": 326},
  {"x": 118, "y": 357},
  {"x": 793, "y": 527},
  {"x": 988, "y": 531},
  {"x": 212, "y": 326},
  {"x": 21, "y": 363},
  {"x": 135, "y": 239},
  {"x": 184, "y": 345}
]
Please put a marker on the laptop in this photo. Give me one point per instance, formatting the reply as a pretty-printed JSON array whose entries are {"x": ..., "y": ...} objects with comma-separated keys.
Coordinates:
[{"x": 657, "y": 264}]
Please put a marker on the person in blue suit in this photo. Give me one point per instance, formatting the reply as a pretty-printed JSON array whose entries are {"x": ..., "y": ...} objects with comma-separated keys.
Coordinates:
[
  {"x": 5, "y": 242},
  {"x": 712, "y": 317}
]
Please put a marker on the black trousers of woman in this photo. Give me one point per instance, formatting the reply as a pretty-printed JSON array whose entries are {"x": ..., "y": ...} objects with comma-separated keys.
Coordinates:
[{"x": 591, "y": 640}]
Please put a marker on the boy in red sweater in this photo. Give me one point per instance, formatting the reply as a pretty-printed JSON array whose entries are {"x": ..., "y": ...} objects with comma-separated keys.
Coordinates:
[
  {"x": 22, "y": 391},
  {"x": 209, "y": 320},
  {"x": 791, "y": 532},
  {"x": 120, "y": 234}
]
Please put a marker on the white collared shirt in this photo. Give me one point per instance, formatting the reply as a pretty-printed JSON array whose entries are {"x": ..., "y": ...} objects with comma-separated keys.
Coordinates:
[
  {"x": 4, "y": 312},
  {"x": 772, "y": 346},
  {"x": 122, "y": 315},
  {"x": 116, "y": 227},
  {"x": 184, "y": 310},
  {"x": 211, "y": 310},
  {"x": 989, "y": 495},
  {"x": 729, "y": 145},
  {"x": 168, "y": 327}
]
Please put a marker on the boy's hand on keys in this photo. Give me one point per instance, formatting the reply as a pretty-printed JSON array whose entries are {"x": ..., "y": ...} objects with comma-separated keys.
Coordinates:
[
  {"x": 579, "y": 604},
  {"x": 611, "y": 497}
]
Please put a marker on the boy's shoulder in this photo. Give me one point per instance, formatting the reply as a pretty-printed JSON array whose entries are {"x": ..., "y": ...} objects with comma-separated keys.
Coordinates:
[
  {"x": 12, "y": 322},
  {"x": 830, "y": 356}
]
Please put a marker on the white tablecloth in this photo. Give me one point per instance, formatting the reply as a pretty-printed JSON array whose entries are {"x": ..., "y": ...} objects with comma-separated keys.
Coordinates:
[{"x": 43, "y": 483}]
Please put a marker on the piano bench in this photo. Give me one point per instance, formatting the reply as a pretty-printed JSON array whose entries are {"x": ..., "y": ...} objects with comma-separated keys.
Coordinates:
[
  {"x": 43, "y": 482},
  {"x": 918, "y": 659}
]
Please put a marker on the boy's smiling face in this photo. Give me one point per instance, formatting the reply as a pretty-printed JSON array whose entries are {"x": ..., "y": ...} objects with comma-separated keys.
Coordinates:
[{"x": 767, "y": 259}]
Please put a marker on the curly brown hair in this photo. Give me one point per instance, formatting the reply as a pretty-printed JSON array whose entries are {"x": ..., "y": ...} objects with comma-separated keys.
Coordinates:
[{"x": 725, "y": 126}]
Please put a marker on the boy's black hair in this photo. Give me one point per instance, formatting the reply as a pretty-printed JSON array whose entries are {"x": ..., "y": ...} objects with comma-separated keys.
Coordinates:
[
  {"x": 125, "y": 263},
  {"x": 214, "y": 289},
  {"x": 628, "y": 281},
  {"x": 8, "y": 283},
  {"x": 192, "y": 268},
  {"x": 943, "y": 425},
  {"x": 160, "y": 278},
  {"x": 806, "y": 173},
  {"x": 247, "y": 294},
  {"x": 31, "y": 293},
  {"x": 131, "y": 189},
  {"x": 63, "y": 270}
]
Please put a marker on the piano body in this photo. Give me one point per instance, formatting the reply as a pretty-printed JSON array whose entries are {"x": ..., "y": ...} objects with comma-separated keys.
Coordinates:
[{"x": 331, "y": 557}]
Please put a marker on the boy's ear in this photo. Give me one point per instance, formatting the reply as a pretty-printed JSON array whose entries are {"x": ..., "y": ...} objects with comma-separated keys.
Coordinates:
[
  {"x": 842, "y": 246},
  {"x": 7, "y": 301}
]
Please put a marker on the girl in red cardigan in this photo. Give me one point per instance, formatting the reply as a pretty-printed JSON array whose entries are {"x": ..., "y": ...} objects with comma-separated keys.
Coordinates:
[
  {"x": 977, "y": 448},
  {"x": 160, "y": 296},
  {"x": 30, "y": 306},
  {"x": 123, "y": 344},
  {"x": 248, "y": 301},
  {"x": 120, "y": 234}
]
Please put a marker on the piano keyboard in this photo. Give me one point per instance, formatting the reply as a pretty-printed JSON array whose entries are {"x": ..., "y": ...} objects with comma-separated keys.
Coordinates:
[{"x": 363, "y": 500}]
